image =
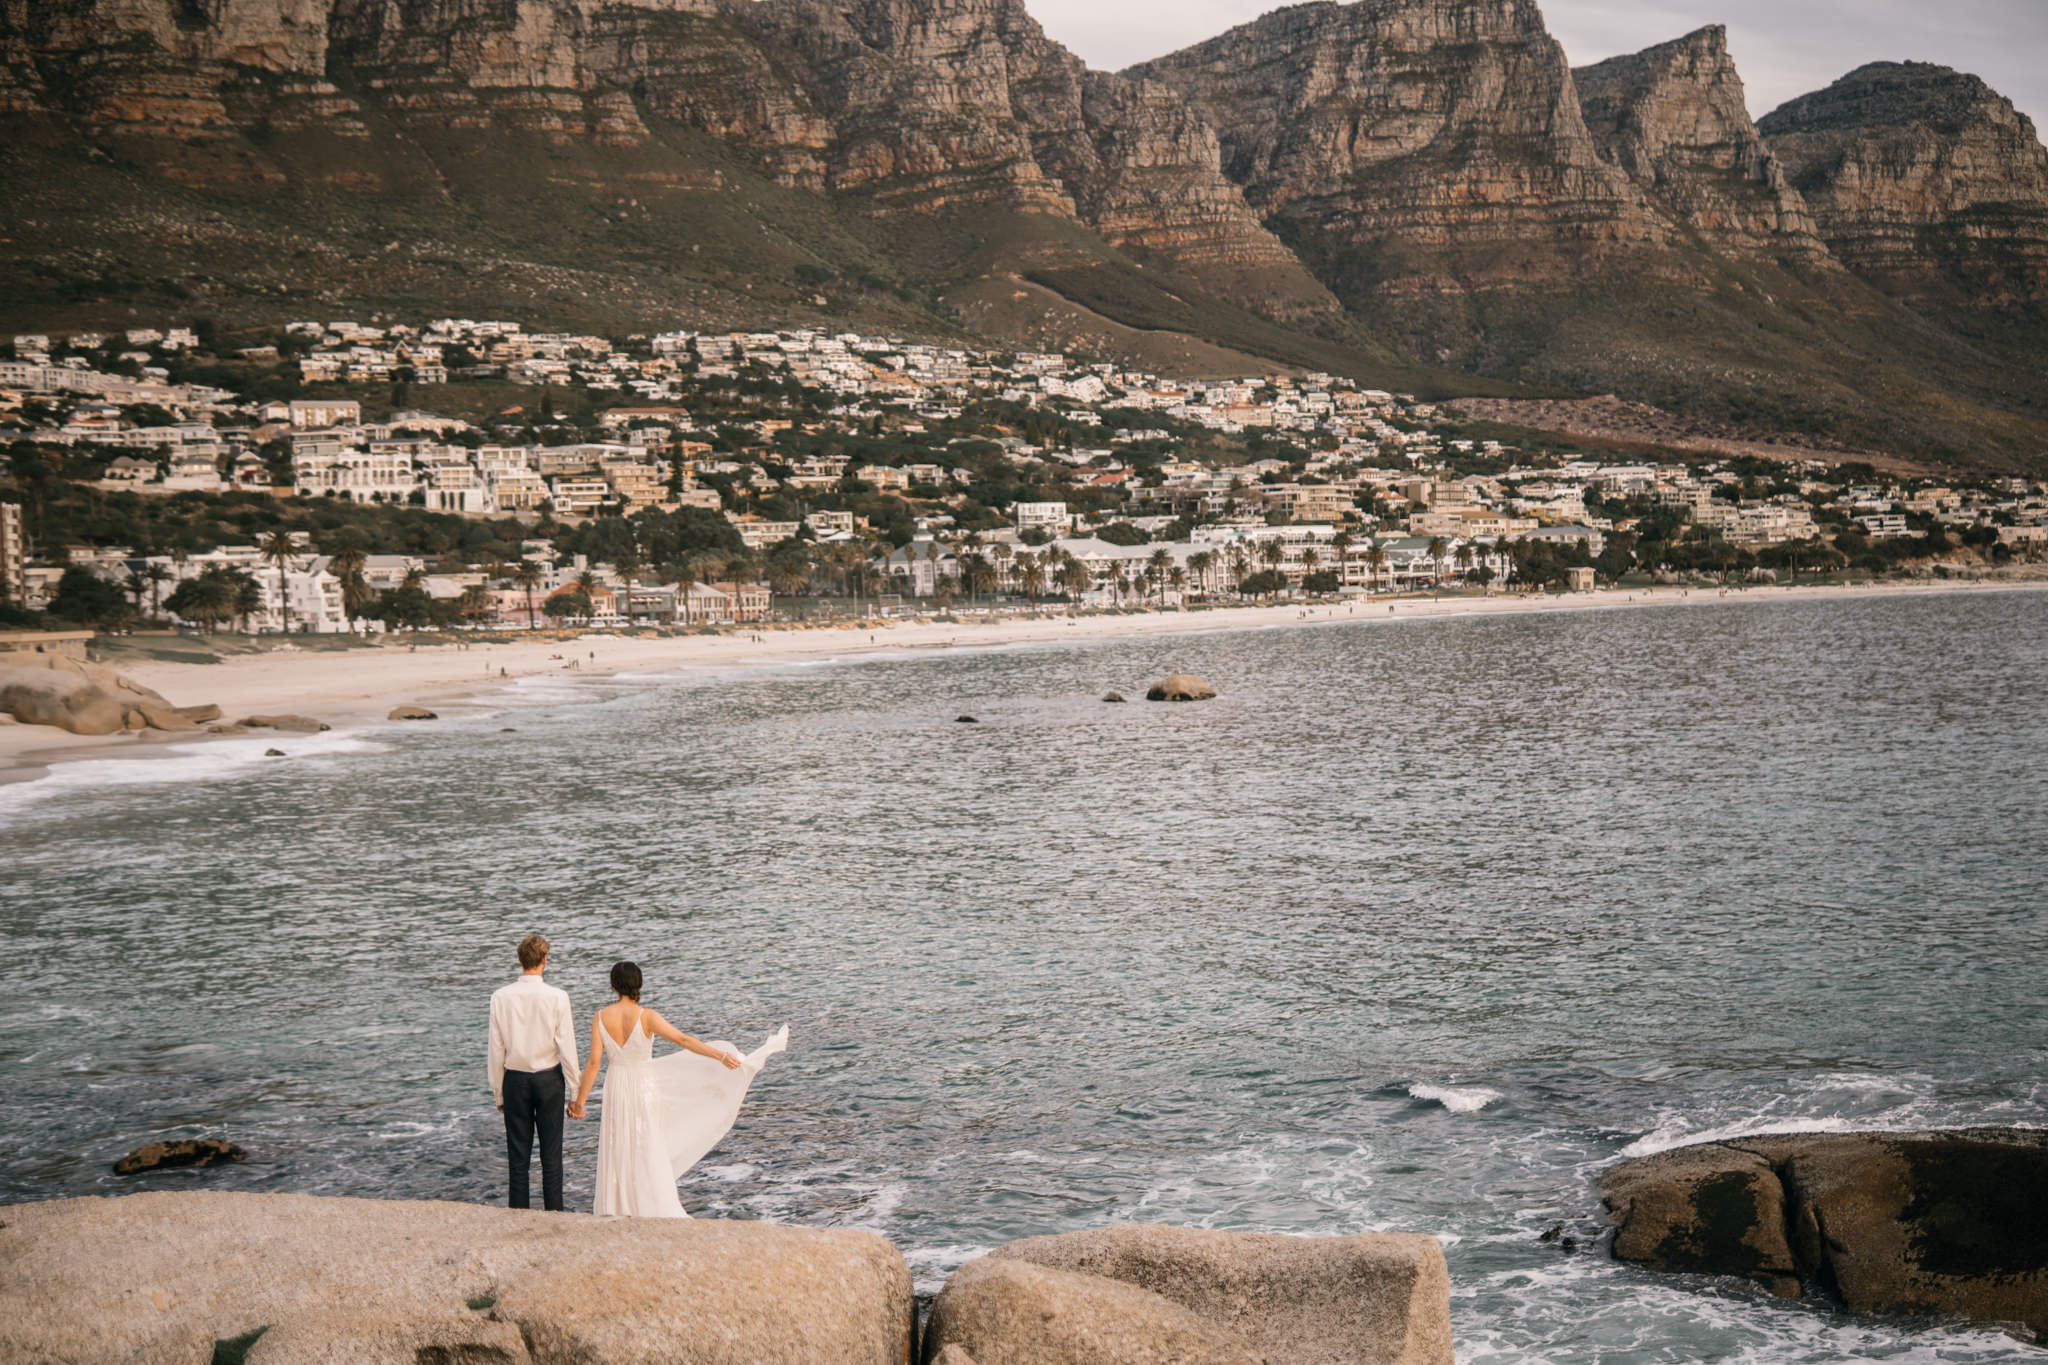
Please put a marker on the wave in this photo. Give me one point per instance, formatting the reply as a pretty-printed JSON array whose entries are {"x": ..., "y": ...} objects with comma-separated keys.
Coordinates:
[
  {"x": 1469, "y": 1100},
  {"x": 210, "y": 760}
]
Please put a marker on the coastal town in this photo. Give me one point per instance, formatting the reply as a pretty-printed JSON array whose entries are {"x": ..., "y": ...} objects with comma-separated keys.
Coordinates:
[{"x": 338, "y": 476}]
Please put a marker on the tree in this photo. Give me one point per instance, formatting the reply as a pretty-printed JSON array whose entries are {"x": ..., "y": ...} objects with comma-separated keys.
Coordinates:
[
  {"x": 1327, "y": 581},
  {"x": 204, "y": 600},
  {"x": 1375, "y": 562},
  {"x": 1437, "y": 549},
  {"x": 1201, "y": 562},
  {"x": 278, "y": 551},
  {"x": 156, "y": 575},
  {"x": 528, "y": 576},
  {"x": 1157, "y": 568},
  {"x": 85, "y": 597},
  {"x": 356, "y": 595},
  {"x": 1342, "y": 543},
  {"x": 1465, "y": 555}
]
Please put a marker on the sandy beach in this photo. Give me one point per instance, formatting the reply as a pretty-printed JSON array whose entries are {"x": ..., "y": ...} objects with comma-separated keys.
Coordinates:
[{"x": 357, "y": 688}]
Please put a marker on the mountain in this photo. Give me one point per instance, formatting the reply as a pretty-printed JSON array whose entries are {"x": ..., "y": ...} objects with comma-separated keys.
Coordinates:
[
  {"x": 1924, "y": 181},
  {"x": 1675, "y": 120},
  {"x": 1421, "y": 193}
]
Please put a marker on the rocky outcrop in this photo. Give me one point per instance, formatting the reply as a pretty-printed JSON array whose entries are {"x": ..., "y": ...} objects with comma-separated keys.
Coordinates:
[
  {"x": 411, "y": 713},
  {"x": 1002, "y": 1312},
  {"x": 1369, "y": 132},
  {"x": 1181, "y": 687},
  {"x": 1922, "y": 179},
  {"x": 1936, "y": 1223},
  {"x": 87, "y": 698},
  {"x": 158, "y": 1279},
  {"x": 1304, "y": 1300},
  {"x": 1674, "y": 118}
]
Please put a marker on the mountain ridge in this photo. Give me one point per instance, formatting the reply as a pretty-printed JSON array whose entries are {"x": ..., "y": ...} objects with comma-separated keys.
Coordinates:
[{"x": 1404, "y": 190}]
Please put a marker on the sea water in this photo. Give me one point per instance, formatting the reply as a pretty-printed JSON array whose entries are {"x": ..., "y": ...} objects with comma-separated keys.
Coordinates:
[{"x": 1417, "y": 927}]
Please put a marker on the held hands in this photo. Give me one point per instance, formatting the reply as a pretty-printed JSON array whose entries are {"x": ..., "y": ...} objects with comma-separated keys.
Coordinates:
[{"x": 576, "y": 1110}]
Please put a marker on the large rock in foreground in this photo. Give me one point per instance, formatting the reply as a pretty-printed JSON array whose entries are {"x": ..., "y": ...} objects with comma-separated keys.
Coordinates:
[
  {"x": 87, "y": 698},
  {"x": 1375, "y": 1300},
  {"x": 157, "y": 1279},
  {"x": 1936, "y": 1224},
  {"x": 1000, "y": 1312}
]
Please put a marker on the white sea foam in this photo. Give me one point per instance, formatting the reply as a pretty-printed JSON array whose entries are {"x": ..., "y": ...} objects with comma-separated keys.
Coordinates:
[
  {"x": 178, "y": 764},
  {"x": 1469, "y": 1100},
  {"x": 1684, "y": 1134}
]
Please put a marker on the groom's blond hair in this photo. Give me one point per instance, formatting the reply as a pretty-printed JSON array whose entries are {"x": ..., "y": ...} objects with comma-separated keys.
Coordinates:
[{"x": 533, "y": 950}]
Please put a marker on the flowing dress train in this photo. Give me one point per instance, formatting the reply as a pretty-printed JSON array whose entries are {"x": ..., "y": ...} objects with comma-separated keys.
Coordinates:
[{"x": 661, "y": 1115}]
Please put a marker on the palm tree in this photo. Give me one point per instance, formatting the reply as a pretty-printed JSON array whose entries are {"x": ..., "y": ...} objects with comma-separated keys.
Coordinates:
[
  {"x": 248, "y": 598},
  {"x": 278, "y": 551},
  {"x": 415, "y": 577},
  {"x": 1341, "y": 543},
  {"x": 1157, "y": 568},
  {"x": 1309, "y": 560},
  {"x": 156, "y": 575},
  {"x": 586, "y": 584},
  {"x": 1002, "y": 554},
  {"x": 1273, "y": 552},
  {"x": 1201, "y": 562},
  {"x": 1376, "y": 562},
  {"x": 1465, "y": 555},
  {"x": 1179, "y": 578},
  {"x": 528, "y": 576},
  {"x": 475, "y": 604},
  {"x": 348, "y": 565},
  {"x": 1239, "y": 563},
  {"x": 1436, "y": 551}
]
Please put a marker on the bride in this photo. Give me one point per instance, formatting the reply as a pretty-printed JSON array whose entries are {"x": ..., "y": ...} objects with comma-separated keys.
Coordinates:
[{"x": 660, "y": 1116}]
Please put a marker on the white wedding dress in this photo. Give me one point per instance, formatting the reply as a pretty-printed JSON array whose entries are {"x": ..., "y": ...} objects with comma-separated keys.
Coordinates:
[{"x": 661, "y": 1115}]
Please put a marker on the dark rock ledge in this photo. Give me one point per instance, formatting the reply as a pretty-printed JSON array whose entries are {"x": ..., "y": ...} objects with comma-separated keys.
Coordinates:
[{"x": 1936, "y": 1224}]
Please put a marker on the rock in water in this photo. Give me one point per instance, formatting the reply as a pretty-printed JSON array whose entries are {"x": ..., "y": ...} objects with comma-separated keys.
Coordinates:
[
  {"x": 303, "y": 725},
  {"x": 1181, "y": 687},
  {"x": 358, "y": 1279},
  {"x": 1008, "y": 1312},
  {"x": 165, "y": 1156},
  {"x": 1114, "y": 698},
  {"x": 1302, "y": 1300},
  {"x": 965, "y": 720},
  {"x": 411, "y": 713},
  {"x": 274, "y": 753},
  {"x": 1934, "y": 1223}
]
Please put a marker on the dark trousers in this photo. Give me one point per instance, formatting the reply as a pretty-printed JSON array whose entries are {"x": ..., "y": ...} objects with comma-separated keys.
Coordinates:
[{"x": 534, "y": 1102}]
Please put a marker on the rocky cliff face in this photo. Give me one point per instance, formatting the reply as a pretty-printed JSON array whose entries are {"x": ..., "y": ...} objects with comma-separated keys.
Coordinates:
[
  {"x": 1397, "y": 124},
  {"x": 1674, "y": 118},
  {"x": 1922, "y": 178}
]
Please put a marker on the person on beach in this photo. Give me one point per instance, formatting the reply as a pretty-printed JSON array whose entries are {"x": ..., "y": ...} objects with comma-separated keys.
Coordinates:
[
  {"x": 532, "y": 1065},
  {"x": 661, "y": 1115}
]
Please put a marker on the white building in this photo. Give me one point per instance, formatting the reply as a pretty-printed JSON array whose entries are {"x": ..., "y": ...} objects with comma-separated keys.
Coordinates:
[
  {"x": 13, "y": 556},
  {"x": 1043, "y": 516}
]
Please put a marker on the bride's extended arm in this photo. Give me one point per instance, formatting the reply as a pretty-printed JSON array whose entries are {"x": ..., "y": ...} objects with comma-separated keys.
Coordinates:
[
  {"x": 664, "y": 1029},
  {"x": 590, "y": 1071}
]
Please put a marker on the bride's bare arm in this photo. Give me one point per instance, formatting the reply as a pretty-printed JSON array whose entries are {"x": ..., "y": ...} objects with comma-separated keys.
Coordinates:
[
  {"x": 664, "y": 1029},
  {"x": 590, "y": 1071}
]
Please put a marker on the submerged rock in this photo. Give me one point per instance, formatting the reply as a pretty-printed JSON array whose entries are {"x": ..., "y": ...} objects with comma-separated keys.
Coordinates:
[
  {"x": 1181, "y": 687},
  {"x": 965, "y": 720},
  {"x": 303, "y": 725},
  {"x": 165, "y": 1156},
  {"x": 411, "y": 713},
  {"x": 1932, "y": 1223},
  {"x": 275, "y": 753},
  {"x": 1114, "y": 698},
  {"x": 162, "y": 1277}
]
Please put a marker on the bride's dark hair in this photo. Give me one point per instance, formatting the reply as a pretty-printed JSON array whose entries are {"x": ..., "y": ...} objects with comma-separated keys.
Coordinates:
[{"x": 626, "y": 980}]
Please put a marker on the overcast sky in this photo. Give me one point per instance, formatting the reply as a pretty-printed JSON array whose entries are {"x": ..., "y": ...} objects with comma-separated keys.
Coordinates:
[{"x": 1782, "y": 47}]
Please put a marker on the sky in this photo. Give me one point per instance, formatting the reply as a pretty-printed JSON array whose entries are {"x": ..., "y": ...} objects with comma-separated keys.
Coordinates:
[{"x": 1783, "y": 48}]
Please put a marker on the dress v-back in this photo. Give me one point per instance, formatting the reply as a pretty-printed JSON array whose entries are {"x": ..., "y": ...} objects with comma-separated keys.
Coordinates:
[{"x": 661, "y": 1115}]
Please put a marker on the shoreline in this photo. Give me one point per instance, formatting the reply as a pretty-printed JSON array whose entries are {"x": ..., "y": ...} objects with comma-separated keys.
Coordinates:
[{"x": 355, "y": 689}]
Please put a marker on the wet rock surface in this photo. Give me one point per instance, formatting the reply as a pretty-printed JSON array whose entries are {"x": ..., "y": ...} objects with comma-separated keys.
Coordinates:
[{"x": 1930, "y": 1224}]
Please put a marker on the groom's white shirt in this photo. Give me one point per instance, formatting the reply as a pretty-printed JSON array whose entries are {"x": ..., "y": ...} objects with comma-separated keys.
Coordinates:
[{"x": 532, "y": 1029}]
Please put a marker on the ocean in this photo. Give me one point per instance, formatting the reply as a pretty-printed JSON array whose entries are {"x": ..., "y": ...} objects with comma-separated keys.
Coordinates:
[{"x": 1417, "y": 927}]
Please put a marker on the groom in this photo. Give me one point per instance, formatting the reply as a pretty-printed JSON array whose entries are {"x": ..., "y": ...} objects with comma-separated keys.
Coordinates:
[{"x": 533, "y": 1067}]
